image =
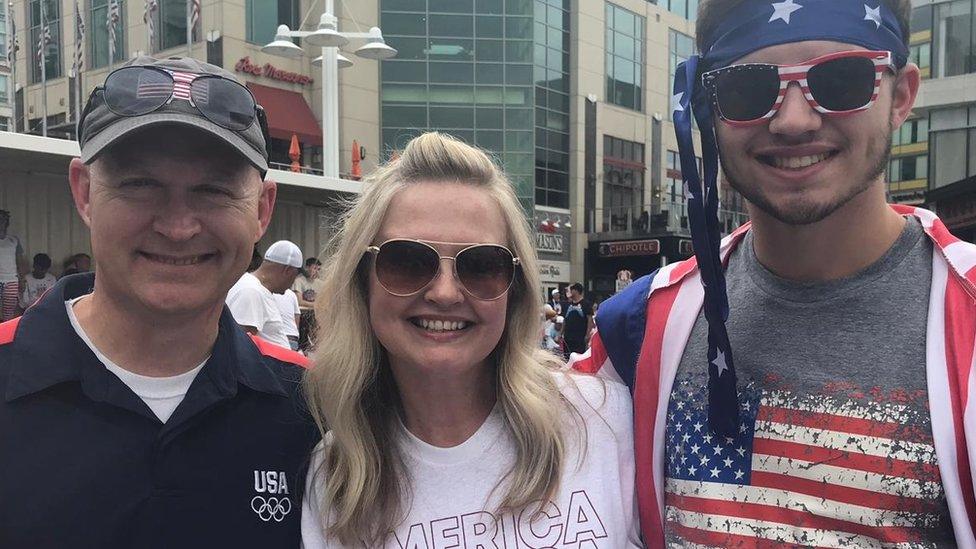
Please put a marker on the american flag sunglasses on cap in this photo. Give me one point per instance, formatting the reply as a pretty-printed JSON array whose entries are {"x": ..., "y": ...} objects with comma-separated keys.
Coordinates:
[
  {"x": 838, "y": 83},
  {"x": 135, "y": 91}
]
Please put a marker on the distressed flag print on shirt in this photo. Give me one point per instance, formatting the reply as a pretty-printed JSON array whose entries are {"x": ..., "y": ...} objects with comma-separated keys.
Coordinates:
[{"x": 822, "y": 470}]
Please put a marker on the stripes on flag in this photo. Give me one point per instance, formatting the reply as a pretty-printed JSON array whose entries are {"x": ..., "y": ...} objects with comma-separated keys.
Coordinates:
[
  {"x": 194, "y": 13},
  {"x": 182, "y": 87},
  {"x": 112, "y": 18},
  {"x": 149, "y": 17},
  {"x": 43, "y": 40},
  {"x": 78, "y": 65},
  {"x": 810, "y": 470}
]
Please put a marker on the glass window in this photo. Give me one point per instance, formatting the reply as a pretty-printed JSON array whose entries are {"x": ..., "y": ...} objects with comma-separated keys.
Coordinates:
[
  {"x": 948, "y": 151},
  {"x": 451, "y": 25},
  {"x": 625, "y": 57},
  {"x": 680, "y": 48},
  {"x": 451, "y": 49},
  {"x": 172, "y": 27},
  {"x": 408, "y": 48},
  {"x": 98, "y": 34},
  {"x": 488, "y": 26},
  {"x": 451, "y": 117},
  {"x": 488, "y": 6},
  {"x": 404, "y": 5},
  {"x": 459, "y": 73},
  {"x": 404, "y": 71},
  {"x": 408, "y": 24},
  {"x": 623, "y": 183},
  {"x": 450, "y": 6},
  {"x": 952, "y": 38},
  {"x": 264, "y": 16},
  {"x": 52, "y": 50},
  {"x": 518, "y": 27},
  {"x": 489, "y": 50},
  {"x": 518, "y": 51},
  {"x": 3, "y": 88},
  {"x": 405, "y": 117},
  {"x": 4, "y": 124},
  {"x": 489, "y": 73}
]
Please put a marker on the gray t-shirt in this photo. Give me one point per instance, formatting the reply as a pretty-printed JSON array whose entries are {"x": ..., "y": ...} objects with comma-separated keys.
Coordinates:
[{"x": 835, "y": 440}]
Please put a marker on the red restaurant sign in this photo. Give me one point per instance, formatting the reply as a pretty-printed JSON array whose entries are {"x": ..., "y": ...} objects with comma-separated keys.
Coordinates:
[
  {"x": 270, "y": 71},
  {"x": 630, "y": 247}
]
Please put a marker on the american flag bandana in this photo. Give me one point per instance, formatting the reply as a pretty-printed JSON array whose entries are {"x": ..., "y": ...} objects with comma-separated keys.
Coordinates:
[{"x": 751, "y": 26}]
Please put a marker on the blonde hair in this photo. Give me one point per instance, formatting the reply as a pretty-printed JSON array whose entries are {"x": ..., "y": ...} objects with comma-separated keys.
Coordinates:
[{"x": 350, "y": 389}]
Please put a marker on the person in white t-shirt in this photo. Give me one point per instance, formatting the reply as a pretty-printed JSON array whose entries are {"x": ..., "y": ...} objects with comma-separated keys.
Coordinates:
[
  {"x": 287, "y": 303},
  {"x": 12, "y": 266},
  {"x": 250, "y": 300},
  {"x": 38, "y": 281},
  {"x": 449, "y": 425}
]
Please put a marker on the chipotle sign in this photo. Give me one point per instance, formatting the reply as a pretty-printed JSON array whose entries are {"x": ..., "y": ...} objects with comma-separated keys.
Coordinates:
[
  {"x": 630, "y": 247},
  {"x": 270, "y": 71}
]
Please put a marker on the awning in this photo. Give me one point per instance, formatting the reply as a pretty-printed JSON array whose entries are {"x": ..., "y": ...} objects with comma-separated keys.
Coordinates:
[{"x": 288, "y": 114}]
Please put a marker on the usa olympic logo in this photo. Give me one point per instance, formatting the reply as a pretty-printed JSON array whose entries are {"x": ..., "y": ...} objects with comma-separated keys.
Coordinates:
[{"x": 271, "y": 508}]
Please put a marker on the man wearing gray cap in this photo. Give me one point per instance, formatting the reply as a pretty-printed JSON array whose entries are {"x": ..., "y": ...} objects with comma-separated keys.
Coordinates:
[
  {"x": 134, "y": 411},
  {"x": 251, "y": 300}
]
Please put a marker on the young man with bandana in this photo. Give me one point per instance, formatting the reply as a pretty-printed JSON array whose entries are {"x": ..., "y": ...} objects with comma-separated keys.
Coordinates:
[{"x": 843, "y": 419}]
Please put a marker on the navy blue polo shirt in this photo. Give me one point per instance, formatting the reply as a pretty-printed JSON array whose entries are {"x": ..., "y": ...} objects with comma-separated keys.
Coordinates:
[{"x": 85, "y": 463}]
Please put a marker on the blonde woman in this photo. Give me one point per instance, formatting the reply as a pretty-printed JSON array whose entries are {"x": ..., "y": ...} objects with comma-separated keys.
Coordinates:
[{"x": 444, "y": 424}]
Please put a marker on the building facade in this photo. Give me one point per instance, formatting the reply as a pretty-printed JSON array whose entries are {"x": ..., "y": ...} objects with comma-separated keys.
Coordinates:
[
  {"x": 572, "y": 98},
  {"x": 934, "y": 152}
]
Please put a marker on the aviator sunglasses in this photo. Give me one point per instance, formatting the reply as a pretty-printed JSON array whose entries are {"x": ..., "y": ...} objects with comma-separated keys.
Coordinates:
[
  {"x": 404, "y": 267},
  {"x": 835, "y": 84},
  {"x": 136, "y": 91}
]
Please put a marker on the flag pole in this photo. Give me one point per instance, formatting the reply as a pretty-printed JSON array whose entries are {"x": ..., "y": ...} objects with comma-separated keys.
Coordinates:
[
  {"x": 77, "y": 87},
  {"x": 43, "y": 46},
  {"x": 189, "y": 29},
  {"x": 111, "y": 37},
  {"x": 12, "y": 61}
]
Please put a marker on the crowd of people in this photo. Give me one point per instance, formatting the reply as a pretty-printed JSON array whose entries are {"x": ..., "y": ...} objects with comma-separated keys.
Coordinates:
[
  {"x": 803, "y": 382},
  {"x": 22, "y": 283}
]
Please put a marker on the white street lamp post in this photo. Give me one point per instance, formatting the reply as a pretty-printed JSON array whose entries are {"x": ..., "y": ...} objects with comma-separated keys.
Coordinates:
[{"x": 330, "y": 39}]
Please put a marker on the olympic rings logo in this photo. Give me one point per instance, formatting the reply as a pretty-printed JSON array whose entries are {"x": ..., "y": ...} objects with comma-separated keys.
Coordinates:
[{"x": 272, "y": 508}]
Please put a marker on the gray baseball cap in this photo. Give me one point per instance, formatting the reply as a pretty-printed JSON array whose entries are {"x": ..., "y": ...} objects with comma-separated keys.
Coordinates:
[{"x": 100, "y": 127}]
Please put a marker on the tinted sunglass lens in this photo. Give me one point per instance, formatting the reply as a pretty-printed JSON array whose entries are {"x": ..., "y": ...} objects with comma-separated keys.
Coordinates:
[
  {"x": 486, "y": 271},
  {"x": 405, "y": 267},
  {"x": 223, "y": 102},
  {"x": 137, "y": 90},
  {"x": 842, "y": 84},
  {"x": 747, "y": 92}
]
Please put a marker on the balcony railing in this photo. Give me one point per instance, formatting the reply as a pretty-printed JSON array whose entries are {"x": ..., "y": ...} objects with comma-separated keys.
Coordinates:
[{"x": 655, "y": 218}]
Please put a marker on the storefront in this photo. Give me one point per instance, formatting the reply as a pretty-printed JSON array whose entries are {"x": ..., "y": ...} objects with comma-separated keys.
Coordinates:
[
  {"x": 605, "y": 259},
  {"x": 552, "y": 245},
  {"x": 955, "y": 204}
]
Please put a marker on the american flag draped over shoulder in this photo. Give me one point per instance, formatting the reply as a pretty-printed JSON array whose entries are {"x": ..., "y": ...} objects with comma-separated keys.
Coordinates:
[
  {"x": 78, "y": 64},
  {"x": 112, "y": 18}
]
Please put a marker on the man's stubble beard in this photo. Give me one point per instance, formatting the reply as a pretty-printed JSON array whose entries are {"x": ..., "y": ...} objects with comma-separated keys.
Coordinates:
[{"x": 808, "y": 213}]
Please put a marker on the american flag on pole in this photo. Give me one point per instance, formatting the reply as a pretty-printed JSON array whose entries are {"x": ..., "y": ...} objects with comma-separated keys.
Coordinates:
[
  {"x": 811, "y": 470},
  {"x": 78, "y": 64},
  {"x": 112, "y": 18},
  {"x": 194, "y": 13},
  {"x": 149, "y": 17},
  {"x": 44, "y": 40},
  {"x": 13, "y": 45}
]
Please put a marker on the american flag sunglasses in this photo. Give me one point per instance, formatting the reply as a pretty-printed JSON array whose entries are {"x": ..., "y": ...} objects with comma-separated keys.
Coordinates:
[
  {"x": 835, "y": 84},
  {"x": 136, "y": 91}
]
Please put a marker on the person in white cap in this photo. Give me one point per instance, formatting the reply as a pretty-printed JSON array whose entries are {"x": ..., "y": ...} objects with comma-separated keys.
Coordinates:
[{"x": 250, "y": 300}]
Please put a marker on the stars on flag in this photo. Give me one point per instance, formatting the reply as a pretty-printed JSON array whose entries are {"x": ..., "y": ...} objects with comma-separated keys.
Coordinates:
[
  {"x": 719, "y": 362},
  {"x": 873, "y": 15},
  {"x": 676, "y": 105},
  {"x": 783, "y": 10},
  {"x": 694, "y": 453}
]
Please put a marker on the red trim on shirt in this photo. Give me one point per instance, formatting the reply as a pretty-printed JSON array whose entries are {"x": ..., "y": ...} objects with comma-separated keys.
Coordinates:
[
  {"x": 8, "y": 330},
  {"x": 646, "y": 401},
  {"x": 278, "y": 352}
]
